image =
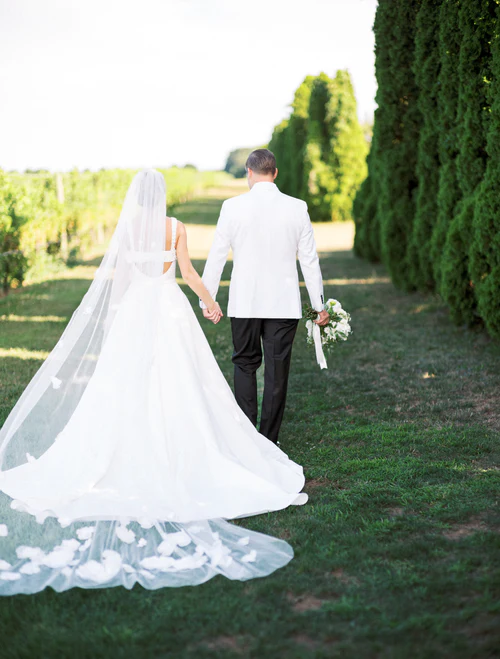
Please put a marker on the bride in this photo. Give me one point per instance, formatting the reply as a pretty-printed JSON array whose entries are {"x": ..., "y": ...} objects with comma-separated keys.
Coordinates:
[{"x": 127, "y": 452}]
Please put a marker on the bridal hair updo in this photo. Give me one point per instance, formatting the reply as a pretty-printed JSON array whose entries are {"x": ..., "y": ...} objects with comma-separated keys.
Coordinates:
[{"x": 261, "y": 161}]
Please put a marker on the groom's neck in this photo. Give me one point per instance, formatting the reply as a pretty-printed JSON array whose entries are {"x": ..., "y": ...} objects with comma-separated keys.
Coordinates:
[{"x": 262, "y": 178}]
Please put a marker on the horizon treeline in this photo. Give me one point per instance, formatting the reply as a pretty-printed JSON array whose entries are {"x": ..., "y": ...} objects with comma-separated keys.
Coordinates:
[
  {"x": 320, "y": 148},
  {"x": 430, "y": 206}
]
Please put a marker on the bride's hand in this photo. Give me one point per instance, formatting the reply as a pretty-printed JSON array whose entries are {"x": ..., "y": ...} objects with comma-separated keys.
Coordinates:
[{"x": 213, "y": 313}]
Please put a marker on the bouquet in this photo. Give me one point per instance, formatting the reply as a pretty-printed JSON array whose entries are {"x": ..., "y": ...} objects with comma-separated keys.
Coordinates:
[{"x": 325, "y": 337}]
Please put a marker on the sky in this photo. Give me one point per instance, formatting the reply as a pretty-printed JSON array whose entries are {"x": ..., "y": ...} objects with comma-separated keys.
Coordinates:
[{"x": 152, "y": 83}]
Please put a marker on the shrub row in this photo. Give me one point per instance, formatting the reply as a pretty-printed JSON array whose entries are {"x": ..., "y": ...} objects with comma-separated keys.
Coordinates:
[{"x": 430, "y": 206}]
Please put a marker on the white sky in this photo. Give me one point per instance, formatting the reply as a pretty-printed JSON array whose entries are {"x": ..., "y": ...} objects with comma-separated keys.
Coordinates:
[{"x": 141, "y": 83}]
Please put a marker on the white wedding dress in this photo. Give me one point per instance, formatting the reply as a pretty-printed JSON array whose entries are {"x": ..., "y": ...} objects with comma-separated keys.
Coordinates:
[{"x": 151, "y": 454}]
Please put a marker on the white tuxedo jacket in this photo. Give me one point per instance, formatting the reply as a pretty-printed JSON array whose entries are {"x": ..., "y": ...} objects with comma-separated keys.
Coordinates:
[{"x": 267, "y": 231}]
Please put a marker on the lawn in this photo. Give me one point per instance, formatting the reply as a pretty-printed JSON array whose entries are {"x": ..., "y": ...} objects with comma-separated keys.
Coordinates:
[{"x": 397, "y": 553}]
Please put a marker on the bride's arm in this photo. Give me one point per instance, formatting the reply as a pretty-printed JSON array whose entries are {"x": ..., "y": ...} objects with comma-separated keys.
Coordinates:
[{"x": 189, "y": 274}]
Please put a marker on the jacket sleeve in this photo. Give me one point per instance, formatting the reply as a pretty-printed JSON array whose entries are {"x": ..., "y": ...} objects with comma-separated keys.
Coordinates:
[
  {"x": 217, "y": 256},
  {"x": 309, "y": 263}
]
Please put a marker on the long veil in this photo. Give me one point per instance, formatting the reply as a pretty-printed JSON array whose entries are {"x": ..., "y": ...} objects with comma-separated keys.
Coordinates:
[{"x": 36, "y": 548}]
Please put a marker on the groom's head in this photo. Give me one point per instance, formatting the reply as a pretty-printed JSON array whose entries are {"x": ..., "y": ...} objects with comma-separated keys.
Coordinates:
[{"x": 261, "y": 166}]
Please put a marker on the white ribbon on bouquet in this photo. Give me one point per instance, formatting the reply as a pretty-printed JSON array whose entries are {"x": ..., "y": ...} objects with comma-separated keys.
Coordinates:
[{"x": 320, "y": 355}]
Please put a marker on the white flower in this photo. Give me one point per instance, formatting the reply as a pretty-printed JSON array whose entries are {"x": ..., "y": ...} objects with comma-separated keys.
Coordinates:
[
  {"x": 71, "y": 544},
  {"x": 146, "y": 523},
  {"x": 101, "y": 572},
  {"x": 56, "y": 382},
  {"x": 33, "y": 553},
  {"x": 173, "y": 540},
  {"x": 157, "y": 562},
  {"x": 196, "y": 528},
  {"x": 4, "y": 531},
  {"x": 10, "y": 576},
  {"x": 30, "y": 458},
  {"x": 244, "y": 541},
  {"x": 4, "y": 565},
  {"x": 59, "y": 557},
  {"x": 142, "y": 542},
  {"x": 30, "y": 568},
  {"x": 128, "y": 568},
  {"x": 219, "y": 554},
  {"x": 249, "y": 558},
  {"x": 125, "y": 534},
  {"x": 85, "y": 533}
]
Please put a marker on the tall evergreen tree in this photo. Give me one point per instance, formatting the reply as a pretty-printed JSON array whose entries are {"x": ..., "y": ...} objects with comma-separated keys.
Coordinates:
[
  {"x": 477, "y": 21},
  {"x": 448, "y": 189},
  {"x": 296, "y": 138},
  {"x": 347, "y": 150},
  {"x": 402, "y": 120},
  {"x": 316, "y": 172},
  {"x": 366, "y": 210},
  {"x": 277, "y": 145},
  {"x": 485, "y": 248},
  {"x": 426, "y": 68}
]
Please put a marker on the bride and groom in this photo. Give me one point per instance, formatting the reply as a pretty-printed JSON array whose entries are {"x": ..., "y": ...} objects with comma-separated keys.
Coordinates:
[{"x": 129, "y": 437}]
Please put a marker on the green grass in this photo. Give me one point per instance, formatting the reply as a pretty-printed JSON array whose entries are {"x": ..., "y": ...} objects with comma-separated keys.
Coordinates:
[{"x": 398, "y": 549}]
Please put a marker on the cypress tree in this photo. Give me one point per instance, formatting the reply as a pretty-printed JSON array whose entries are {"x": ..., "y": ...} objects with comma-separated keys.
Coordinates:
[
  {"x": 477, "y": 19},
  {"x": 277, "y": 145},
  {"x": 296, "y": 137},
  {"x": 366, "y": 238},
  {"x": 402, "y": 119},
  {"x": 426, "y": 69},
  {"x": 347, "y": 150},
  {"x": 315, "y": 168},
  {"x": 367, "y": 203},
  {"x": 448, "y": 189},
  {"x": 485, "y": 247}
]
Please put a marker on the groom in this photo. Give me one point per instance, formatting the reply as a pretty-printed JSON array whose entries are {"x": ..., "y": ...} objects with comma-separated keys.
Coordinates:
[{"x": 267, "y": 231}]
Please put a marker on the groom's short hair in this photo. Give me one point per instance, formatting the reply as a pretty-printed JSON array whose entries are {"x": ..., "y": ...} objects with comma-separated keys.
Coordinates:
[{"x": 261, "y": 161}]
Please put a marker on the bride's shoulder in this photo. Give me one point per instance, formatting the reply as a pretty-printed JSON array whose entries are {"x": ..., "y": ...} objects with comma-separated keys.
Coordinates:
[{"x": 181, "y": 229}]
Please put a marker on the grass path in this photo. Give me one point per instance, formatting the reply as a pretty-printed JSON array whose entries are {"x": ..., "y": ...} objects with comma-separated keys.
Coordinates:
[{"x": 398, "y": 550}]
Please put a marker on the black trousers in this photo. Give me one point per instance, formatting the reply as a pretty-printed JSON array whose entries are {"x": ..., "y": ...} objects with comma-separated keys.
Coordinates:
[{"x": 274, "y": 337}]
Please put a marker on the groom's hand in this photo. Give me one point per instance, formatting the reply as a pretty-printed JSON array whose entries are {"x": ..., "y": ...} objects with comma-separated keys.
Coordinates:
[
  {"x": 214, "y": 314},
  {"x": 323, "y": 318}
]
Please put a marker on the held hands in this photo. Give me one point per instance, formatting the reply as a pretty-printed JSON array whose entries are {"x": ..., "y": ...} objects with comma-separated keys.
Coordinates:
[
  {"x": 323, "y": 318},
  {"x": 214, "y": 313}
]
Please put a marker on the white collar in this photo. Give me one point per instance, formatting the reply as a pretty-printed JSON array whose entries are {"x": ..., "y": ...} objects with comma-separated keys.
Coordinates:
[{"x": 264, "y": 185}]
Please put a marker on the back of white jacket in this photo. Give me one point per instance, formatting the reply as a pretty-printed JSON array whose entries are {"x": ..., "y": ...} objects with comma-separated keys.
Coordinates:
[{"x": 267, "y": 231}]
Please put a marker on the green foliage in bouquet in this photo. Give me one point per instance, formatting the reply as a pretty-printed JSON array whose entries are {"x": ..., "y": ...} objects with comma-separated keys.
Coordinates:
[{"x": 337, "y": 329}]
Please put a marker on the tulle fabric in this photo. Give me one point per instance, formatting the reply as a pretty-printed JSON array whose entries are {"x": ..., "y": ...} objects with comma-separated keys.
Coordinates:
[{"x": 127, "y": 453}]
